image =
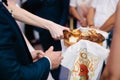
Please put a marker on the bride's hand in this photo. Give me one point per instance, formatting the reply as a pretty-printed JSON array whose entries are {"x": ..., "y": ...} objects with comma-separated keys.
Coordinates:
[{"x": 57, "y": 31}]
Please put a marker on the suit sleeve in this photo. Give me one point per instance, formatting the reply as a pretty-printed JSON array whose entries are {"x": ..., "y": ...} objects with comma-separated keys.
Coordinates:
[
  {"x": 10, "y": 66},
  {"x": 65, "y": 13}
]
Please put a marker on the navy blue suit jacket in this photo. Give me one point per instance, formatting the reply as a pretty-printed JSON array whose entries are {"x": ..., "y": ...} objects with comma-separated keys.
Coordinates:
[{"x": 15, "y": 59}]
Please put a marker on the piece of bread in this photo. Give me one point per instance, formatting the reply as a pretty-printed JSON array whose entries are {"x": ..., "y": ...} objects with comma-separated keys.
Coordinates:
[
  {"x": 73, "y": 36},
  {"x": 68, "y": 35}
]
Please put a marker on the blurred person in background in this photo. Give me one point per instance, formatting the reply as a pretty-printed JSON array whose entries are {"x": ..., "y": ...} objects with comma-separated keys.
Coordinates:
[
  {"x": 79, "y": 10},
  {"x": 15, "y": 59},
  {"x": 101, "y": 15},
  {"x": 54, "y": 10}
]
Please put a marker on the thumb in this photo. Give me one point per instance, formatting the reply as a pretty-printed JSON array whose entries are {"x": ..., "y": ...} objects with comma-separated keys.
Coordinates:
[{"x": 51, "y": 48}]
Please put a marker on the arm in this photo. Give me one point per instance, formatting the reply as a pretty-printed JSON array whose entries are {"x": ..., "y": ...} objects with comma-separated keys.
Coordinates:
[
  {"x": 36, "y": 54},
  {"x": 15, "y": 64},
  {"x": 108, "y": 25},
  {"x": 113, "y": 64},
  {"x": 75, "y": 14},
  {"x": 115, "y": 51},
  {"x": 11, "y": 68},
  {"x": 16, "y": 71},
  {"x": 90, "y": 17},
  {"x": 28, "y": 18}
]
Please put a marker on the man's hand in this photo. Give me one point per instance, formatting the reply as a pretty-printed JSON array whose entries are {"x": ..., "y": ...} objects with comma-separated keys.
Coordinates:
[
  {"x": 37, "y": 54},
  {"x": 54, "y": 56}
]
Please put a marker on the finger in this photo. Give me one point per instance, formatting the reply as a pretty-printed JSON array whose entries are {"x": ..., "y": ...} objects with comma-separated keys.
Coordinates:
[
  {"x": 61, "y": 36},
  {"x": 61, "y": 58},
  {"x": 58, "y": 37},
  {"x": 39, "y": 52},
  {"x": 60, "y": 54},
  {"x": 40, "y": 56},
  {"x": 51, "y": 48}
]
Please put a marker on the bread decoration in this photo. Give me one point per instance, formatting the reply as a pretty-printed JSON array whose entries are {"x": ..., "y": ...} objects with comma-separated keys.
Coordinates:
[{"x": 73, "y": 36}]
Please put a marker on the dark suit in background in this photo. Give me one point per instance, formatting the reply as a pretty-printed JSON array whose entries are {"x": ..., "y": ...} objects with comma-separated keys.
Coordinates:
[
  {"x": 15, "y": 59},
  {"x": 54, "y": 10}
]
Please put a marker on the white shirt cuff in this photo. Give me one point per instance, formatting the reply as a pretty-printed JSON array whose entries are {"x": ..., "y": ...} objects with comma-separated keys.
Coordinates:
[{"x": 49, "y": 61}]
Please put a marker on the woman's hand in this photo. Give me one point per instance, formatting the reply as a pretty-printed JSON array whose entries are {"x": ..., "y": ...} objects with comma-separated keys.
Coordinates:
[{"x": 57, "y": 30}]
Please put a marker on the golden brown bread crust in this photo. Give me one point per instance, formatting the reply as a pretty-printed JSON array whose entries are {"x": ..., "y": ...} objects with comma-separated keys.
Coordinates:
[
  {"x": 73, "y": 33},
  {"x": 90, "y": 35},
  {"x": 67, "y": 43},
  {"x": 76, "y": 33}
]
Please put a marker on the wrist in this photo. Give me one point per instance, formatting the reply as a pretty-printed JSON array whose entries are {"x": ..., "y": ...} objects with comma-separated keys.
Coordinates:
[
  {"x": 81, "y": 21},
  {"x": 46, "y": 24},
  {"x": 91, "y": 25}
]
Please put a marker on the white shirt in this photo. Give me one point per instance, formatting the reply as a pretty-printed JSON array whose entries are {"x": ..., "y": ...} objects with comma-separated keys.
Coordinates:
[
  {"x": 80, "y": 4},
  {"x": 104, "y": 9},
  {"x": 76, "y": 3}
]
